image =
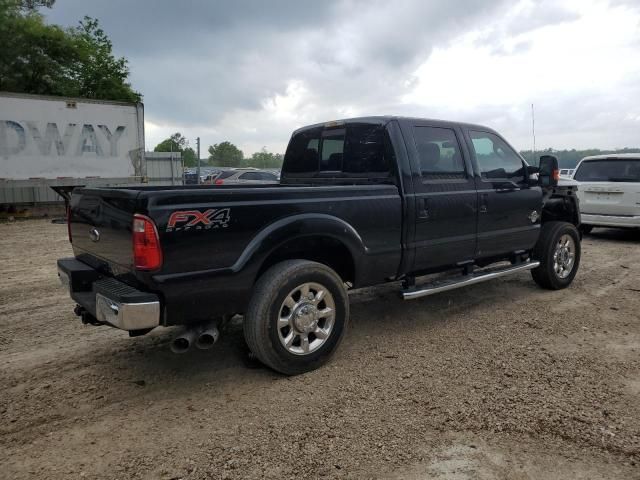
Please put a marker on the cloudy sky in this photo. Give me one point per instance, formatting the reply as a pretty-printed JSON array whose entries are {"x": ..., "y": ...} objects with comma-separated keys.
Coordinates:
[{"x": 251, "y": 71}]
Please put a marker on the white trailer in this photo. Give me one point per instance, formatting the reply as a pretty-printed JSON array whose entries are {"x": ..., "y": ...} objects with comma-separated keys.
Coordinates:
[{"x": 63, "y": 142}]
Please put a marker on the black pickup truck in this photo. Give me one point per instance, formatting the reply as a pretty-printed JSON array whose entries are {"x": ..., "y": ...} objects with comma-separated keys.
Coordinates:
[{"x": 435, "y": 204}]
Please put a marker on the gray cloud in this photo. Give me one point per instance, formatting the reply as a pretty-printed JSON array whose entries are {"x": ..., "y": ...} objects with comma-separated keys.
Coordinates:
[{"x": 209, "y": 68}]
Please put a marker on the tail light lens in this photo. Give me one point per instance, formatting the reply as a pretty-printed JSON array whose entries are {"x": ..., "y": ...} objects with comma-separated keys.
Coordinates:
[
  {"x": 556, "y": 175},
  {"x": 69, "y": 223},
  {"x": 147, "y": 254},
  {"x": 219, "y": 181}
]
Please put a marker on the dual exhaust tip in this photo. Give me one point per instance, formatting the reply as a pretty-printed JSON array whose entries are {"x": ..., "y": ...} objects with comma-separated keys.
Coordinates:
[{"x": 203, "y": 337}]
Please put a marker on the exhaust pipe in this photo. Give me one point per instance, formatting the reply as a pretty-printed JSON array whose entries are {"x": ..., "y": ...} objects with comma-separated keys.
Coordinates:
[
  {"x": 183, "y": 341},
  {"x": 208, "y": 336}
]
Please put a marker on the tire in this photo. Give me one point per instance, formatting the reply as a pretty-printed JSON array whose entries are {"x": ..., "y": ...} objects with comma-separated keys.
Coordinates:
[
  {"x": 556, "y": 271},
  {"x": 586, "y": 229},
  {"x": 286, "y": 307}
]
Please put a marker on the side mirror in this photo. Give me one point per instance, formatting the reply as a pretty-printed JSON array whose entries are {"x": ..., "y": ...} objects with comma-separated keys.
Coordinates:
[{"x": 549, "y": 173}]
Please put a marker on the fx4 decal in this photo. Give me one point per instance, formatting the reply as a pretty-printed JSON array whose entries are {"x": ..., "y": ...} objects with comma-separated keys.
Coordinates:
[{"x": 183, "y": 220}]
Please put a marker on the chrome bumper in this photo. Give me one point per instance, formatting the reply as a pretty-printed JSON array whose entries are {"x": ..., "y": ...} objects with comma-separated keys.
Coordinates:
[
  {"x": 127, "y": 316},
  {"x": 107, "y": 299}
]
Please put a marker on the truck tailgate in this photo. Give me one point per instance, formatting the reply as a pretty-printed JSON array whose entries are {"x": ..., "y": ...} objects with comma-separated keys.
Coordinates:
[{"x": 101, "y": 220}]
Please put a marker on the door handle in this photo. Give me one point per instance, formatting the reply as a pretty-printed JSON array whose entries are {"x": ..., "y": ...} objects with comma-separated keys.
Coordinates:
[{"x": 423, "y": 208}]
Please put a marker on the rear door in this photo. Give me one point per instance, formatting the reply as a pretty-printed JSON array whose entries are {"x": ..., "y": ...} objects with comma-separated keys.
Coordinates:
[
  {"x": 609, "y": 186},
  {"x": 445, "y": 196},
  {"x": 509, "y": 209}
]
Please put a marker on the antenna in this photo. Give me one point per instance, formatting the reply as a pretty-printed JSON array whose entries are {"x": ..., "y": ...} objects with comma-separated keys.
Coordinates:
[{"x": 533, "y": 131}]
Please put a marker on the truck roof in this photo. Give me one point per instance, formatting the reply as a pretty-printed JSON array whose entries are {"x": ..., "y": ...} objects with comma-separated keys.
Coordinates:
[
  {"x": 614, "y": 156},
  {"x": 384, "y": 119}
]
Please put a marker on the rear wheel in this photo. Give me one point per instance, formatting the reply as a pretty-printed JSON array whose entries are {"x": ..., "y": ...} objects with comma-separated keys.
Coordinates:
[
  {"x": 296, "y": 316},
  {"x": 558, "y": 250}
]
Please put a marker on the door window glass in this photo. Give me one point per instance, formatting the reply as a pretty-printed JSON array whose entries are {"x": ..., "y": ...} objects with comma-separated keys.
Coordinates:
[
  {"x": 439, "y": 153},
  {"x": 495, "y": 158}
]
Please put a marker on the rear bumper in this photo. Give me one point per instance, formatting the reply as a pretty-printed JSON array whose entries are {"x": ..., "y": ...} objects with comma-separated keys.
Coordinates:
[
  {"x": 107, "y": 299},
  {"x": 610, "y": 220}
]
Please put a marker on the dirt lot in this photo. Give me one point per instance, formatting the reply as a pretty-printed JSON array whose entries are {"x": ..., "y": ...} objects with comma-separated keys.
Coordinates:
[{"x": 498, "y": 381}]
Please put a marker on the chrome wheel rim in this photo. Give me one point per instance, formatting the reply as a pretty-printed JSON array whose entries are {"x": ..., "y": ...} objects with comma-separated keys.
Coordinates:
[
  {"x": 306, "y": 318},
  {"x": 564, "y": 256}
]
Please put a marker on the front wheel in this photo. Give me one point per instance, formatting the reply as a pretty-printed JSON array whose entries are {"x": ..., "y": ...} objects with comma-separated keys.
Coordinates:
[
  {"x": 558, "y": 250},
  {"x": 296, "y": 316}
]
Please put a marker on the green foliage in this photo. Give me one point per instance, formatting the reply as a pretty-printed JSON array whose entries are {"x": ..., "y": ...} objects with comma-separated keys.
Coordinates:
[
  {"x": 264, "y": 159},
  {"x": 45, "y": 59},
  {"x": 98, "y": 73},
  {"x": 225, "y": 154},
  {"x": 570, "y": 158},
  {"x": 32, "y": 5},
  {"x": 189, "y": 157},
  {"x": 175, "y": 143},
  {"x": 178, "y": 143}
]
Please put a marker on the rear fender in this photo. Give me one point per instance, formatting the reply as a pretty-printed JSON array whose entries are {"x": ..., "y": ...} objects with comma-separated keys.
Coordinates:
[{"x": 277, "y": 234}]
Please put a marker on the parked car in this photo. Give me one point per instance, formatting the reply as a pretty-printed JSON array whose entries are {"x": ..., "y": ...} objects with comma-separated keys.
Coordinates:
[
  {"x": 210, "y": 177},
  {"x": 361, "y": 202},
  {"x": 190, "y": 178},
  {"x": 566, "y": 172},
  {"x": 245, "y": 175},
  {"x": 609, "y": 191}
]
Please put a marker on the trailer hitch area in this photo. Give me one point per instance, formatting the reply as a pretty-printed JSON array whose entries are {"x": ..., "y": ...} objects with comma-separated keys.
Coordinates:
[{"x": 86, "y": 317}]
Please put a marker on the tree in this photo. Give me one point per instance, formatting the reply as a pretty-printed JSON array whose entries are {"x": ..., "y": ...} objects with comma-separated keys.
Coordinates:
[
  {"x": 178, "y": 143},
  {"x": 39, "y": 58},
  {"x": 98, "y": 73},
  {"x": 265, "y": 159},
  {"x": 225, "y": 154},
  {"x": 175, "y": 143},
  {"x": 189, "y": 157}
]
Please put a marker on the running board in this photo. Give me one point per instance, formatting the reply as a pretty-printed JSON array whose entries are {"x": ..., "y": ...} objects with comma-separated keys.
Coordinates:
[{"x": 464, "y": 280}]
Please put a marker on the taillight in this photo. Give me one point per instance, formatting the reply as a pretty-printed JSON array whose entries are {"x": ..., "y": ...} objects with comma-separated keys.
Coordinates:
[
  {"x": 147, "y": 254},
  {"x": 219, "y": 181},
  {"x": 69, "y": 223},
  {"x": 556, "y": 175}
]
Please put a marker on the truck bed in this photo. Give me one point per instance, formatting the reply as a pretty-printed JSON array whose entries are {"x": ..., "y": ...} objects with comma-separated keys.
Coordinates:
[{"x": 220, "y": 234}]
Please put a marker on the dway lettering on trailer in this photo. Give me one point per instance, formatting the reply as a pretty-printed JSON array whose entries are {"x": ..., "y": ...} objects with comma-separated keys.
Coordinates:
[{"x": 13, "y": 139}]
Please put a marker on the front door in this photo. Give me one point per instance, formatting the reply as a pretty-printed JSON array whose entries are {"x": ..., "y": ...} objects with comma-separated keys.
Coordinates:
[
  {"x": 509, "y": 209},
  {"x": 445, "y": 197}
]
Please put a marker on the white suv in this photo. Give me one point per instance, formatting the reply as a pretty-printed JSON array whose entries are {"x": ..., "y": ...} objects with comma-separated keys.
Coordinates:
[{"x": 609, "y": 190}]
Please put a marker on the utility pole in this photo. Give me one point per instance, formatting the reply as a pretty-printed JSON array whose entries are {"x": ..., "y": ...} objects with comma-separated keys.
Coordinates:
[
  {"x": 533, "y": 130},
  {"x": 198, "y": 154}
]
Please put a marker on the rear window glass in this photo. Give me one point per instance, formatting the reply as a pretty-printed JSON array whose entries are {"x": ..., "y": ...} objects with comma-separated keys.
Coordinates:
[
  {"x": 225, "y": 174},
  {"x": 609, "y": 171},
  {"x": 356, "y": 150},
  {"x": 302, "y": 154},
  {"x": 332, "y": 150}
]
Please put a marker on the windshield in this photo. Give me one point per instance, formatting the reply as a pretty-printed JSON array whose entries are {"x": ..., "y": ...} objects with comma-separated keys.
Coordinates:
[{"x": 609, "y": 171}]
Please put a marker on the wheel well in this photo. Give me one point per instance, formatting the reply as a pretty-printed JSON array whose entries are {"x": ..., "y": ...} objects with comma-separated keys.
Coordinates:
[
  {"x": 561, "y": 209},
  {"x": 321, "y": 249}
]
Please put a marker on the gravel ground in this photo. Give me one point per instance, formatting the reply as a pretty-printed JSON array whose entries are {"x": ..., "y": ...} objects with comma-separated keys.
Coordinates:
[{"x": 501, "y": 380}]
